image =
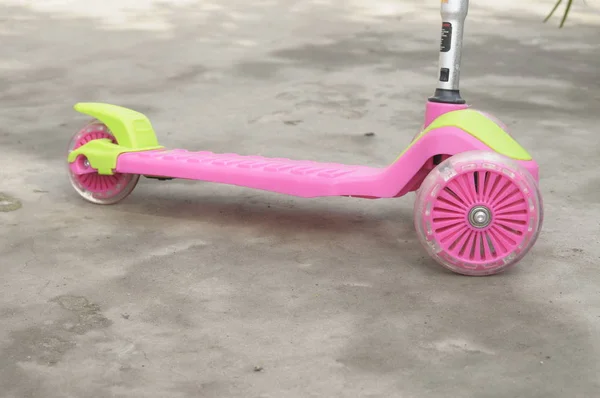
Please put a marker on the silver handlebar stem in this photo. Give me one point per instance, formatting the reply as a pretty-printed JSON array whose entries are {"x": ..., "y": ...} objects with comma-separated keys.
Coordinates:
[{"x": 454, "y": 14}]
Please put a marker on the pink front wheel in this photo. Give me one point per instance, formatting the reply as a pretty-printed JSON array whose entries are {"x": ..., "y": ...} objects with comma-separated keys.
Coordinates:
[{"x": 478, "y": 213}]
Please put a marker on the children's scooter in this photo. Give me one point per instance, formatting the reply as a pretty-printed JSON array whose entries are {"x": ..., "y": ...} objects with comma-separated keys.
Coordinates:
[{"x": 478, "y": 208}]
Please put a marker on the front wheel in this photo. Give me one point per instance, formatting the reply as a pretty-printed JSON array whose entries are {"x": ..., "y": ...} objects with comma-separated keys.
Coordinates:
[
  {"x": 478, "y": 213},
  {"x": 93, "y": 187}
]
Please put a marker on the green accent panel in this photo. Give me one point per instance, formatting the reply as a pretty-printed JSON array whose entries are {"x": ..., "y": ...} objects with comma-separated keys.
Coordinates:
[
  {"x": 133, "y": 132},
  {"x": 102, "y": 154},
  {"x": 131, "y": 128},
  {"x": 482, "y": 128}
]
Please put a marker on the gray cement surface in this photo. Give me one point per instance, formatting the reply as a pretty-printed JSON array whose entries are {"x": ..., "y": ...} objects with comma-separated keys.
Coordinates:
[{"x": 191, "y": 289}]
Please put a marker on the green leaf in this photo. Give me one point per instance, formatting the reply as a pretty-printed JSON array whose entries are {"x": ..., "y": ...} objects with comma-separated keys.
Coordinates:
[{"x": 566, "y": 14}]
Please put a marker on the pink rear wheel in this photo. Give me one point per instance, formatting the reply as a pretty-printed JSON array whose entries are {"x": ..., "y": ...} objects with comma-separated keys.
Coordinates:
[
  {"x": 94, "y": 187},
  {"x": 478, "y": 213}
]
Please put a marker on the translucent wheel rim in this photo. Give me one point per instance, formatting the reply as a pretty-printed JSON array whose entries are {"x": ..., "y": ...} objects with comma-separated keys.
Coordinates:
[
  {"x": 93, "y": 187},
  {"x": 478, "y": 213}
]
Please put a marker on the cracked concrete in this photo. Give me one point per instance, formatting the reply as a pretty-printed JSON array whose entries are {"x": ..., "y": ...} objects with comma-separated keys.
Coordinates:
[{"x": 190, "y": 289}]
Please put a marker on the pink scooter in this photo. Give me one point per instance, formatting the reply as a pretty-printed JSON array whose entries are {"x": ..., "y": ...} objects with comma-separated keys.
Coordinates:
[{"x": 478, "y": 208}]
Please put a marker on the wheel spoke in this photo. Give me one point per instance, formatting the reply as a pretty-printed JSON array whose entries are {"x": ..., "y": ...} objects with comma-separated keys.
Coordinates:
[
  {"x": 487, "y": 185},
  {"x": 510, "y": 195},
  {"x": 502, "y": 236},
  {"x": 497, "y": 241},
  {"x": 510, "y": 228},
  {"x": 450, "y": 227},
  {"x": 448, "y": 197},
  {"x": 455, "y": 236},
  {"x": 489, "y": 251},
  {"x": 474, "y": 242},
  {"x": 513, "y": 208},
  {"x": 448, "y": 212},
  {"x": 496, "y": 187},
  {"x": 514, "y": 221},
  {"x": 463, "y": 188},
  {"x": 445, "y": 220},
  {"x": 465, "y": 244},
  {"x": 444, "y": 226}
]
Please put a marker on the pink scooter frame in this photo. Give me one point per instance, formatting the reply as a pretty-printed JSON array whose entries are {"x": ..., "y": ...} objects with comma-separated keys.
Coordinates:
[
  {"x": 478, "y": 210},
  {"x": 308, "y": 178}
]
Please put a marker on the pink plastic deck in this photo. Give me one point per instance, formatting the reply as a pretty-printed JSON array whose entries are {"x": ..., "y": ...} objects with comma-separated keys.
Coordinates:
[
  {"x": 305, "y": 178},
  {"x": 294, "y": 177}
]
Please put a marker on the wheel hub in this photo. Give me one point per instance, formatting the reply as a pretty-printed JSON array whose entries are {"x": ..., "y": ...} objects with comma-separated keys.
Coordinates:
[{"x": 480, "y": 217}]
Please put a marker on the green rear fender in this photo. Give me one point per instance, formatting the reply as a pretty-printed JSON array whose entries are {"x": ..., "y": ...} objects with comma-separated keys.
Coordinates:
[{"x": 132, "y": 130}]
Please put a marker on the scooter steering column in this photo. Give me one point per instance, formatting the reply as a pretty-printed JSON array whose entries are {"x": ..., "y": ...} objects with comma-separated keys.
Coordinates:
[{"x": 454, "y": 13}]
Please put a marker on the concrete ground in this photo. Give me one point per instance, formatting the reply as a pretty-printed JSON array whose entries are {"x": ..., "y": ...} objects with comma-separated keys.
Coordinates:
[{"x": 198, "y": 290}]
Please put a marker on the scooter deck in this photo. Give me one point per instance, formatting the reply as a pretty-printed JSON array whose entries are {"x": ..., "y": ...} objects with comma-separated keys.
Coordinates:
[{"x": 295, "y": 177}]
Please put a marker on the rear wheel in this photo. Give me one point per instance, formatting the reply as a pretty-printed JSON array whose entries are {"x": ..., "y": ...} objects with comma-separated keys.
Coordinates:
[
  {"x": 94, "y": 187},
  {"x": 478, "y": 213}
]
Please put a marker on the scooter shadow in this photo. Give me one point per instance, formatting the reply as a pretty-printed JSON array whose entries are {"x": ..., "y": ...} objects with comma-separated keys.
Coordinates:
[
  {"x": 279, "y": 214},
  {"x": 361, "y": 228}
]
